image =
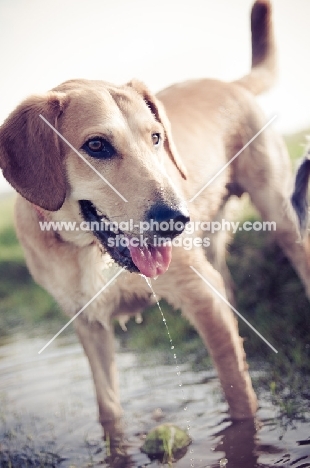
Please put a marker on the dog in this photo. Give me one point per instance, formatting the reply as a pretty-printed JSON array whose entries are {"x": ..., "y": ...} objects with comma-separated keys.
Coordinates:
[{"x": 156, "y": 155}]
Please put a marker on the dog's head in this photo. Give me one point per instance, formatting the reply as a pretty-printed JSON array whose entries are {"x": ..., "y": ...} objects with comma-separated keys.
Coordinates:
[{"x": 101, "y": 160}]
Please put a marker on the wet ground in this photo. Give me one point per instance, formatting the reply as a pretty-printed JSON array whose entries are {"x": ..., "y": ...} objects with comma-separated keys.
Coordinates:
[{"x": 48, "y": 413}]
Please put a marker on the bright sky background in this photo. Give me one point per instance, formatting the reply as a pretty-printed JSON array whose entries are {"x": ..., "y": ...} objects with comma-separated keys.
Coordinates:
[{"x": 43, "y": 43}]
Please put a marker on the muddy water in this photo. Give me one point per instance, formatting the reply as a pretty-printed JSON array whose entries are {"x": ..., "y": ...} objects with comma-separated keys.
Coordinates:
[{"x": 48, "y": 413}]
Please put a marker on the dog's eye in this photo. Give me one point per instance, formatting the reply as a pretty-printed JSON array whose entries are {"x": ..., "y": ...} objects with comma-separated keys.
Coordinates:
[
  {"x": 156, "y": 139},
  {"x": 99, "y": 148}
]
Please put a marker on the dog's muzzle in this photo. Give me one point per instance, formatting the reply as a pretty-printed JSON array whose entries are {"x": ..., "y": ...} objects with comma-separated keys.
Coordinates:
[{"x": 149, "y": 253}]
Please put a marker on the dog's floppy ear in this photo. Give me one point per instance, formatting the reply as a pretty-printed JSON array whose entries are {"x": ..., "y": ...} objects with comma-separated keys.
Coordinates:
[
  {"x": 158, "y": 110},
  {"x": 30, "y": 156}
]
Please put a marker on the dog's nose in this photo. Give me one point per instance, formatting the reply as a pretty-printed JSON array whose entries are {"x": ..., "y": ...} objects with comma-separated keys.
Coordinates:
[{"x": 167, "y": 221}]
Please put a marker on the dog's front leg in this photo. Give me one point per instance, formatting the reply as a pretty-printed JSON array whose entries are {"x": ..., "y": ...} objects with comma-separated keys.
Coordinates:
[
  {"x": 218, "y": 327},
  {"x": 98, "y": 344},
  {"x": 203, "y": 303},
  {"x": 73, "y": 276}
]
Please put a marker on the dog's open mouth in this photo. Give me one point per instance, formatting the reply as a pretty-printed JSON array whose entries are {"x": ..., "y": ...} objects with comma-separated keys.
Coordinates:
[{"x": 132, "y": 253}]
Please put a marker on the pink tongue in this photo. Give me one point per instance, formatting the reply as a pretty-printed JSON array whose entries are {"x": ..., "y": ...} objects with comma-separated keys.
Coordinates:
[{"x": 151, "y": 261}]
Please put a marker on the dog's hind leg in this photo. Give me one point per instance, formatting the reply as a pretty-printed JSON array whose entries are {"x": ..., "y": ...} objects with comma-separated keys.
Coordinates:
[{"x": 265, "y": 173}]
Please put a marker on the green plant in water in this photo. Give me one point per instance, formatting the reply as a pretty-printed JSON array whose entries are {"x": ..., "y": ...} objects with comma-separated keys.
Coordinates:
[{"x": 166, "y": 443}]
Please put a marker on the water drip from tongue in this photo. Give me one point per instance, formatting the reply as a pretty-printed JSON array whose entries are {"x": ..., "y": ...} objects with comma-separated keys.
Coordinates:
[{"x": 151, "y": 261}]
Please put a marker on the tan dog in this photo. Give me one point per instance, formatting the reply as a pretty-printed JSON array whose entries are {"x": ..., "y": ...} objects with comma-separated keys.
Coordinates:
[{"x": 124, "y": 133}]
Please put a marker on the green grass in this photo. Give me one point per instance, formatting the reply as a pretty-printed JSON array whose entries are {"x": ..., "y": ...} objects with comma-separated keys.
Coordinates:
[
  {"x": 152, "y": 334},
  {"x": 23, "y": 304},
  {"x": 270, "y": 296},
  {"x": 296, "y": 144},
  {"x": 10, "y": 250}
]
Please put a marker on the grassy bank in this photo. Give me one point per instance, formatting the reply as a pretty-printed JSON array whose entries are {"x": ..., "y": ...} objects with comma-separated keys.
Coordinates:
[{"x": 23, "y": 304}]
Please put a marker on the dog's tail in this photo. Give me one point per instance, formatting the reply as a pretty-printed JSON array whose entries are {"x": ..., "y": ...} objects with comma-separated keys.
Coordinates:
[
  {"x": 300, "y": 195},
  {"x": 263, "y": 71}
]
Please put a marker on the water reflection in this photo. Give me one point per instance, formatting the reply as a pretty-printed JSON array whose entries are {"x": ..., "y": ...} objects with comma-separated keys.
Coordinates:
[
  {"x": 239, "y": 443},
  {"x": 48, "y": 412}
]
